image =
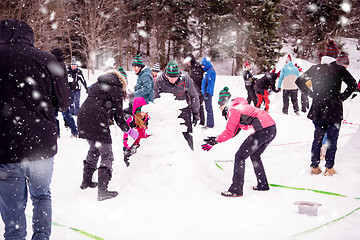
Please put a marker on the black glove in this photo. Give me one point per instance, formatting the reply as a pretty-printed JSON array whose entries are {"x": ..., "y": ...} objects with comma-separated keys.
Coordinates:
[
  {"x": 354, "y": 95},
  {"x": 210, "y": 142},
  {"x": 196, "y": 119}
]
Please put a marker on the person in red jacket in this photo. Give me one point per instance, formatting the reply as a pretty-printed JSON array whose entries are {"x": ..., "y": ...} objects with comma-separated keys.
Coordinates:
[
  {"x": 241, "y": 115},
  {"x": 138, "y": 121}
]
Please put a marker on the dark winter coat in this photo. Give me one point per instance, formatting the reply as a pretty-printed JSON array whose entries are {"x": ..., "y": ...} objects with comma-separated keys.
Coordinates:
[
  {"x": 266, "y": 82},
  {"x": 74, "y": 77},
  {"x": 248, "y": 78},
  {"x": 196, "y": 72},
  {"x": 183, "y": 89},
  {"x": 145, "y": 85},
  {"x": 208, "y": 82},
  {"x": 326, "y": 80},
  {"x": 104, "y": 97},
  {"x": 31, "y": 89}
]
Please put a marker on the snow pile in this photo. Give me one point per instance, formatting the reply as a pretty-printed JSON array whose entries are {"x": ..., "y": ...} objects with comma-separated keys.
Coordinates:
[{"x": 164, "y": 162}]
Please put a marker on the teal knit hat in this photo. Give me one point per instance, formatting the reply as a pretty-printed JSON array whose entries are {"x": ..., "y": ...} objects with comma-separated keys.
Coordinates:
[
  {"x": 172, "y": 69},
  {"x": 137, "y": 62},
  {"x": 224, "y": 96}
]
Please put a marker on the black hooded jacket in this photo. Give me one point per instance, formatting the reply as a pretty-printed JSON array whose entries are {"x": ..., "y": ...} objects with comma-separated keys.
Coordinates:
[
  {"x": 196, "y": 73},
  {"x": 104, "y": 99},
  {"x": 32, "y": 86},
  {"x": 326, "y": 80},
  {"x": 266, "y": 82}
]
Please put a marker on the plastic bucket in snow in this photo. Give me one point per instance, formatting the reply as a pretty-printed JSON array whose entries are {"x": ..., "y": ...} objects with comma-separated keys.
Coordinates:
[{"x": 308, "y": 208}]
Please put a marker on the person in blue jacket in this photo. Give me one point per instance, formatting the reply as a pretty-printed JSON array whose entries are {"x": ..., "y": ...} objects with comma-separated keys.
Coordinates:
[
  {"x": 207, "y": 90},
  {"x": 289, "y": 73},
  {"x": 145, "y": 82}
]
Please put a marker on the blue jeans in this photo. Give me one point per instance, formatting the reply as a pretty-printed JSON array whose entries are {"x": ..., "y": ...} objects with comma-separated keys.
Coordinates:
[
  {"x": 332, "y": 132},
  {"x": 70, "y": 121},
  {"x": 209, "y": 111},
  {"x": 16, "y": 179},
  {"x": 75, "y": 102}
]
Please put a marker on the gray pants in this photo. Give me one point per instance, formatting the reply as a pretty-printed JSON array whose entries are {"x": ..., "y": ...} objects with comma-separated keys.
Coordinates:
[{"x": 102, "y": 150}]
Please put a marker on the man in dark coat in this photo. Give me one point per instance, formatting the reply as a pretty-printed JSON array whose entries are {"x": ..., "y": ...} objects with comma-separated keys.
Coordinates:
[
  {"x": 196, "y": 72},
  {"x": 67, "y": 115},
  {"x": 182, "y": 86},
  {"x": 32, "y": 86},
  {"x": 249, "y": 81},
  {"x": 75, "y": 76},
  {"x": 105, "y": 100},
  {"x": 326, "y": 110}
]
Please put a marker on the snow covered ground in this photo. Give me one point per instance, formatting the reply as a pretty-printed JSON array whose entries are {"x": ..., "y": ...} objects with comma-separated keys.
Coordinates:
[{"x": 169, "y": 192}]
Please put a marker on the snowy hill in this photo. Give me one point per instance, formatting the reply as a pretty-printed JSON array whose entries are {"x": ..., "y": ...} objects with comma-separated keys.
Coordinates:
[{"x": 170, "y": 192}]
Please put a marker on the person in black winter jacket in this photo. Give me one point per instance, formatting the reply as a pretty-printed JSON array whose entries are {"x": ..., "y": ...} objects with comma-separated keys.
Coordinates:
[
  {"x": 262, "y": 86},
  {"x": 67, "y": 116},
  {"x": 32, "y": 87},
  {"x": 326, "y": 110},
  {"x": 182, "y": 86},
  {"x": 196, "y": 72},
  {"x": 250, "y": 84},
  {"x": 105, "y": 100},
  {"x": 75, "y": 76}
]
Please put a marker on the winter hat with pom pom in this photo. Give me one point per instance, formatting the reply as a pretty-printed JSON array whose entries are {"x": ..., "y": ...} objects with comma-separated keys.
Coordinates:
[
  {"x": 156, "y": 67},
  {"x": 288, "y": 59},
  {"x": 343, "y": 59},
  {"x": 224, "y": 96},
  {"x": 122, "y": 71},
  {"x": 331, "y": 50},
  {"x": 246, "y": 64},
  {"x": 137, "y": 62},
  {"x": 172, "y": 69}
]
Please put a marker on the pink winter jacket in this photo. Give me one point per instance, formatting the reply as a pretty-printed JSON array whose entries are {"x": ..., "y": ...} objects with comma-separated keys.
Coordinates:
[
  {"x": 138, "y": 102},
  {"x": 241, "y": 115}
]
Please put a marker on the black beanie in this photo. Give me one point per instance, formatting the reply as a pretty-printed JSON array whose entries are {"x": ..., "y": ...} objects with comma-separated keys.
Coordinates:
[{"x": 224, "y": 96}]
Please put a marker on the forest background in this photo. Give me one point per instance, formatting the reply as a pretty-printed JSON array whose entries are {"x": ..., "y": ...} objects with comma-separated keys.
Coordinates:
[{"x": 90, "y": 31}]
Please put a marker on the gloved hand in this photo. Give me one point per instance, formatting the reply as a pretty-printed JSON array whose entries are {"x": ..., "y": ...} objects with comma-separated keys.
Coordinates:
[
  {"x": 210, "y": 142},
  {"x": 206, "y": 97},
  {"x": 133, "y": 133},
  {"x": 196, "y": 119}
]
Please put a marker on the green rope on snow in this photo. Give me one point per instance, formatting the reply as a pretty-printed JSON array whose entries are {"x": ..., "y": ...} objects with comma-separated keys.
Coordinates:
[
  {"x": 74, "y": 229},
  {"x": 323, "y": 225},
  {"x": 309, "y": 189}
]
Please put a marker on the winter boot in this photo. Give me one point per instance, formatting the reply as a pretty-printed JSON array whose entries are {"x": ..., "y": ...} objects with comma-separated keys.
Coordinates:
[
  {"x": 315, "y": 171},
  {"x": 258, "y": 188},
  {"x": 230, "y": 194},
  {"x": 104, "y": 177},
  {"x": 330, "y": 172},
  {"x": 87, "y": 177}
]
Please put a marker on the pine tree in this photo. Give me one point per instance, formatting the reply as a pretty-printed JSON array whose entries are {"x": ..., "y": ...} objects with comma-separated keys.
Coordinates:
[{"x": 263, "y": 28}]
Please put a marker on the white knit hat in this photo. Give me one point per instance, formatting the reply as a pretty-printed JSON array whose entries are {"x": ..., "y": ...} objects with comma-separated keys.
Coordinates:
[{"x": 156, "y": 67}]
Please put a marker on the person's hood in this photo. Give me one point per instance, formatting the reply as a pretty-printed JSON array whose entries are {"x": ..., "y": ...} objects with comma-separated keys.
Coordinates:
[
  {"x": 271, "y": 75},
  {"x": 138, "y": 102},
  {"x": 145, "y": 69},
  {"x": 206, "y": 63},
  {"x": 238, "y": 101},
  {"x": 113, "y": 77},
  {"x": 327, "y": 60},
  {"x": 13, "y": 31},
  {"x": 58, "y": 54},
  {"x": 192, "y": 59},
  {"x": 290, "y": 64}
]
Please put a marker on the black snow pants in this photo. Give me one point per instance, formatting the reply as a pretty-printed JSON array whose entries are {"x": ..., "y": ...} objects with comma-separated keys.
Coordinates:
[{"x": 252, "y": 147}]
